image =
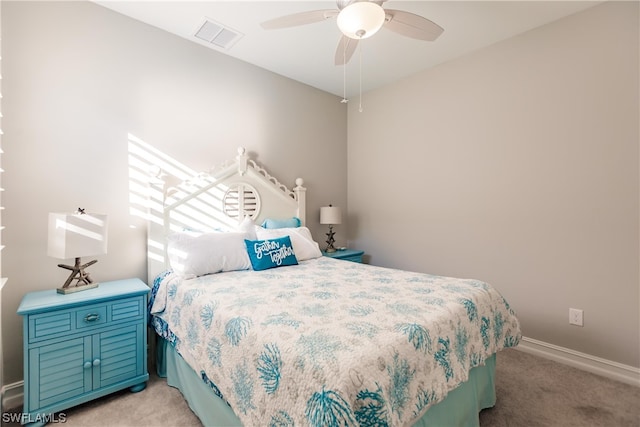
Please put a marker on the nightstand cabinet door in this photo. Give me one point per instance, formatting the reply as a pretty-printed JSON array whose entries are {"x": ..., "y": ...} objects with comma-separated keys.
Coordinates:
[
  {"x": 116, "y": 356},
  {"x": 57, "y": 372}
]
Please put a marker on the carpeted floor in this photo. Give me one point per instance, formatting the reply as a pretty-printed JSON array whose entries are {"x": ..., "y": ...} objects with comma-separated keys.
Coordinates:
[{"x": 531, "y": 392}]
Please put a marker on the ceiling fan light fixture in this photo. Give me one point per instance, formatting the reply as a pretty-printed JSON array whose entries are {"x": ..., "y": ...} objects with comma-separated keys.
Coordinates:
[{"x": 361, "y": 19}]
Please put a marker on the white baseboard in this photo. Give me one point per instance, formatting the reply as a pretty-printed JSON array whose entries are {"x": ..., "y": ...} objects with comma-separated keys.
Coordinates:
[
  {"x": 586, "y": 362},
  {"x": 12, "y": 395}
]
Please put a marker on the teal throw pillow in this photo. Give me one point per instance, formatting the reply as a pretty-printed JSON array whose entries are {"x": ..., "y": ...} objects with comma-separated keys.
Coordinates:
[
  {"x": 270, "y": 253},
  {"x": 282, "y": 223}
]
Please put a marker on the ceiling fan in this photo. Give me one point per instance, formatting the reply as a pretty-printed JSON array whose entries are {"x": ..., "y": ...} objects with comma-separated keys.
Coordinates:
[{"x": 360, "y": 19}]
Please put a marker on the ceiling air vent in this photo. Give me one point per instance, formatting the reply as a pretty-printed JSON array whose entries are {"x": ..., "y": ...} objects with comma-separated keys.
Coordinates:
[{"x": 217, "y": 34}]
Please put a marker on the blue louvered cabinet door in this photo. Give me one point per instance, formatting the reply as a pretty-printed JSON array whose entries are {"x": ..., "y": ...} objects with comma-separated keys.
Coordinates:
[
  {"x": 58, "y": 372},
  {"x": 118, "y": 358},
  {"x": 84, "y": 345}
]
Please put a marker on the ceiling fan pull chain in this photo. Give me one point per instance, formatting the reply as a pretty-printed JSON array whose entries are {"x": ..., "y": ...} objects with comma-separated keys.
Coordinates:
[
  {"x": 360, "y": 54},
  {"x": 344, "y": 72}
]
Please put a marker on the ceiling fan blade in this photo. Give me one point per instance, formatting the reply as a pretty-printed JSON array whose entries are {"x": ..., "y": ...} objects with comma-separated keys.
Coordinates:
[
  {"x": 301, "y": 18},
  {"x": 345, "y": 49},
  {"x": 412, "y": 25}
]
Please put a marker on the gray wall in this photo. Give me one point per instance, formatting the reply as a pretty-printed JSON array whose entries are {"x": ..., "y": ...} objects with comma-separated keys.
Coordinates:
[
  {"x": 517, "y": 165},
  {"x": 78, "y": 79}
]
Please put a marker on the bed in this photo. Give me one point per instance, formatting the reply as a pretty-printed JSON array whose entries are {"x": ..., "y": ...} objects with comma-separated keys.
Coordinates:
[{"x": 256, "y": 327}]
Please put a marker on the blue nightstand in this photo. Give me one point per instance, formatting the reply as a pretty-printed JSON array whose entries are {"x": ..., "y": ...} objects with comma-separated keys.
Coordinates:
[
  {"x": 346, "y": 254},
  {"x": 83, "y": 345}
]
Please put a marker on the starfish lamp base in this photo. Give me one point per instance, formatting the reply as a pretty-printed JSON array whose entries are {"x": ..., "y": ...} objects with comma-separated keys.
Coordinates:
[
  {"x": 330, "y": 240},
  {"x": 76, "y": 288},
  {"x": 82, "y": 278}
]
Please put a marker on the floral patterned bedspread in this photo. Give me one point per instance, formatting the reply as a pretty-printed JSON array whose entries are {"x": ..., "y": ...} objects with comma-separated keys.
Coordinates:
[{"x": 330, "y": 342}]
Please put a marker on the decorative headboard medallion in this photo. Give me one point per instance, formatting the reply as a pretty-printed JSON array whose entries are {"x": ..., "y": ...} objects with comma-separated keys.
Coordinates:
[{"x": 241, "y": 200}]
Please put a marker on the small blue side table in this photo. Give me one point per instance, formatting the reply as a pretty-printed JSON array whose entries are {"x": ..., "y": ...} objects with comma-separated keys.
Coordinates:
[
  {"x": 83, "y": 345},
  {"x": 346, "y": 254}
]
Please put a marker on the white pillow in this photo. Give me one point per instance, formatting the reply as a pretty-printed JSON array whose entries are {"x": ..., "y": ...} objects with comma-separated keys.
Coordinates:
[
  {"x": 303, "y": 244},
  {"x": 191, "y": 256},
  {"x": 248, "y": 226}
]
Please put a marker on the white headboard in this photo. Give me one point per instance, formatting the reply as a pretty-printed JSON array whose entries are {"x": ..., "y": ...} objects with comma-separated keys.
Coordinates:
[{"x": 214, "y": 201}]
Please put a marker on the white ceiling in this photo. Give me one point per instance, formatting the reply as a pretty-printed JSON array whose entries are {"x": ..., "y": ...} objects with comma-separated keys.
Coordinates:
[{"x": 306, "y": 53}]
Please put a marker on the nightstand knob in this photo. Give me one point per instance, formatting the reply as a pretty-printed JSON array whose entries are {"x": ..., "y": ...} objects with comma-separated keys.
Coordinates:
[
  {"x": 96, "y": 362},
  {"x": 87, "y": 365}
]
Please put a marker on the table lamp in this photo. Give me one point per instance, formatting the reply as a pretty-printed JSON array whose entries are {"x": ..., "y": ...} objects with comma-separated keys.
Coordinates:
[
  {"x": 76, "y": 235},
  {"x": 330, "y": 215}
]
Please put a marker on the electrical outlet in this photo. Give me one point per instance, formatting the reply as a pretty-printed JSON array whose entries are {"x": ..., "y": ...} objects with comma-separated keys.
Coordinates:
[{"x": 575, "y": 317}]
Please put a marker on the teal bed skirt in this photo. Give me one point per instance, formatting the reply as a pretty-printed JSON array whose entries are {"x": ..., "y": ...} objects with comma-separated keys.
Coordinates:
[{"x": 459, "y": 409}]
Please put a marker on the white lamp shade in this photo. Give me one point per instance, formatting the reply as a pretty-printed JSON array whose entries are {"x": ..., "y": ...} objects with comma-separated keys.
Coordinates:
[
  {"x": 330, "y": 215},
  {"x": 361, "y": 20},
  {"x": 77, "y": 235}
]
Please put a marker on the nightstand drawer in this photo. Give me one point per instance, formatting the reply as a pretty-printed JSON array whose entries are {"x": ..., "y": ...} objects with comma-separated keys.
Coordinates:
[
  {"x": 353, "y": 258},
  {"x": 69, "y": 321},
  {"x": 352, "y": 255}
]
